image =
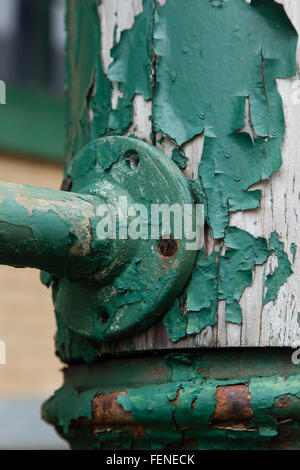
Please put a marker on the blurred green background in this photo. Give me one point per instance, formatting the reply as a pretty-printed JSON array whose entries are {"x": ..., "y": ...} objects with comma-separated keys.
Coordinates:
[{"x": 32, "y": 66}]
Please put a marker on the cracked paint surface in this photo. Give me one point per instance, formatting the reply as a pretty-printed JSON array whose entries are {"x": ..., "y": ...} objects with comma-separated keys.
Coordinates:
[
  {"x": 193, "y": 94},
  {"x": 132, "y": 71},
  {"x": 281, "y": 273},
  {"x": 185, "y": 401},
  {"x": 224, "y": 277},
  {"x": 47, "y": 229}
]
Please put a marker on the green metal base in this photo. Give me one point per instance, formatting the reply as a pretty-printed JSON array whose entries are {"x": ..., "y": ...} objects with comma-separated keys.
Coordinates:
[
  {"x": 212, "y": 399},
  {"x": 137, "y": 279}
]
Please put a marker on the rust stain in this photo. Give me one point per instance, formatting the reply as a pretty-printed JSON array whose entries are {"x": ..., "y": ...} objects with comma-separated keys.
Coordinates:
[
  {"x": 175, "y": 400},
  {"x": 194, "y": 403},
  {"x": 137, "y": 430},
  {"x": 285, "y": 401},
  {"x": 106, "y": 410},
  {"x": 167, "y": 247},
  {"x": 233, "y": 405},
  {"x": 155, "y": 372},
  {"x": 189, "y": 443}
]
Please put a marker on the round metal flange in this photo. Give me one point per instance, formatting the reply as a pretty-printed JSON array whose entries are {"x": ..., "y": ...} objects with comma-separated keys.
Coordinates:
[{"x": 137, "y": 279}]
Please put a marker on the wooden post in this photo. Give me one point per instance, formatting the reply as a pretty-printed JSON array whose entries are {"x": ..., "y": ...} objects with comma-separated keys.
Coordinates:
[
  {"x": 111, "y": 74},
  {"x": 212, "y": 84}
]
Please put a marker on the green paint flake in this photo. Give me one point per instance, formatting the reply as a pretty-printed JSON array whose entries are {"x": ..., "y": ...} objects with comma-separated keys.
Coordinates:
[
  {"x": 148, "y": 407},
  {"x": 196, "y": 403},
  {"x": 175, "y": 322},
  {"x": 263, "y": 394},
  {"x": 70, "y": 346},
  {"x": 216, "y": 278},
  {"x": 181, "y": 366},
  {"x": 201, "y": 299},
  {"x": 171, "y": 404},
  {"x": 202, "y": 293},
  {"x": 66, "y": 405},
  {"x": 293, "y": 250},
  {"x": 178, "y": 156},
  {"x": 199, "y": 193},
  {"x": 243, "y": 253},
  {"x": 131, "y": 67},
  {"x": 276, "y": 279},
  {"x": 128, "y": 285},
  {"x": 237, "y": 52}
]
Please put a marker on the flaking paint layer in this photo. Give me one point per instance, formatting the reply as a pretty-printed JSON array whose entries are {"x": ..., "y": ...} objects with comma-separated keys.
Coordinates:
[
  {"x": 172, "y": 402},
  {"x": 199, "y": 68}
]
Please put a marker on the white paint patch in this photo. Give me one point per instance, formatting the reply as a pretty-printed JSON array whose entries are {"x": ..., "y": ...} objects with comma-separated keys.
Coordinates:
[
  {"x": 193, "y": 151},
  {"x": 141, "y": 120},
  {"x": 165, "y": 144},
  {"x": 115, "y": 17},
  {"x": 116, "y": 94}
]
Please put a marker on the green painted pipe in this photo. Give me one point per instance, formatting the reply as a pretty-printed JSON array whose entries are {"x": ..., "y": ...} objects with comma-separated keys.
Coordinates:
[{"x": 47, "y": 229}]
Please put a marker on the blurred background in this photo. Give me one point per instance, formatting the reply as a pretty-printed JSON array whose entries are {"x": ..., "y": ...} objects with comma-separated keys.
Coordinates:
[{"x": 31, "y": 152}]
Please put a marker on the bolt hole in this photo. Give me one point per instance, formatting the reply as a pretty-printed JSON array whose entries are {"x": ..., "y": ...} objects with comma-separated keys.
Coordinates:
[
  {"x": 132, "y": 159},
  {"x": 167, "y": 247},
  {"x": 103, "y": 315}
]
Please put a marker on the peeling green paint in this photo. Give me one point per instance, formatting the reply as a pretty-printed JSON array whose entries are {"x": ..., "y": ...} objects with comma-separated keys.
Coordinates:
[
  {"x": 247, "y": 60},
  {"x": 208, "y": 62},
  {"x": 276, "y": 279},
  {"x": 235, "y": 272},
  {"x": 47, "y": 229},
  {"x": 172, "y": 399},
  {"x": 202, "y": 86},
  {"x": 132, "y": 71},
  {"x": 198, "y": 303},
  {"x": 218, "y": 277},
  {"x": 83, "y": 48},
  {"x": 178, "y": 156},
  {"x": 131, "y": 282},
  {"x": 193, "y": 94},
  {"x": 175, "y": 322},
  {"x": 263, "y": 394},
  {"x": 202, "y": 293},
  {"x": 67, "y": 405}
]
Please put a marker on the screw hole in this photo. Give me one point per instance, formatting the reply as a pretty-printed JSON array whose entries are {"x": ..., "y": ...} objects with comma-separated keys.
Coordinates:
[
  {"x": 132, "y": 159},
  {"x": 167, "y": 247}
]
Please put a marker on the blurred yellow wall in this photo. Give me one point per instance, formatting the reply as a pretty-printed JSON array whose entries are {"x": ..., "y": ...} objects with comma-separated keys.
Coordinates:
[{"x": 27, "y": 323}]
